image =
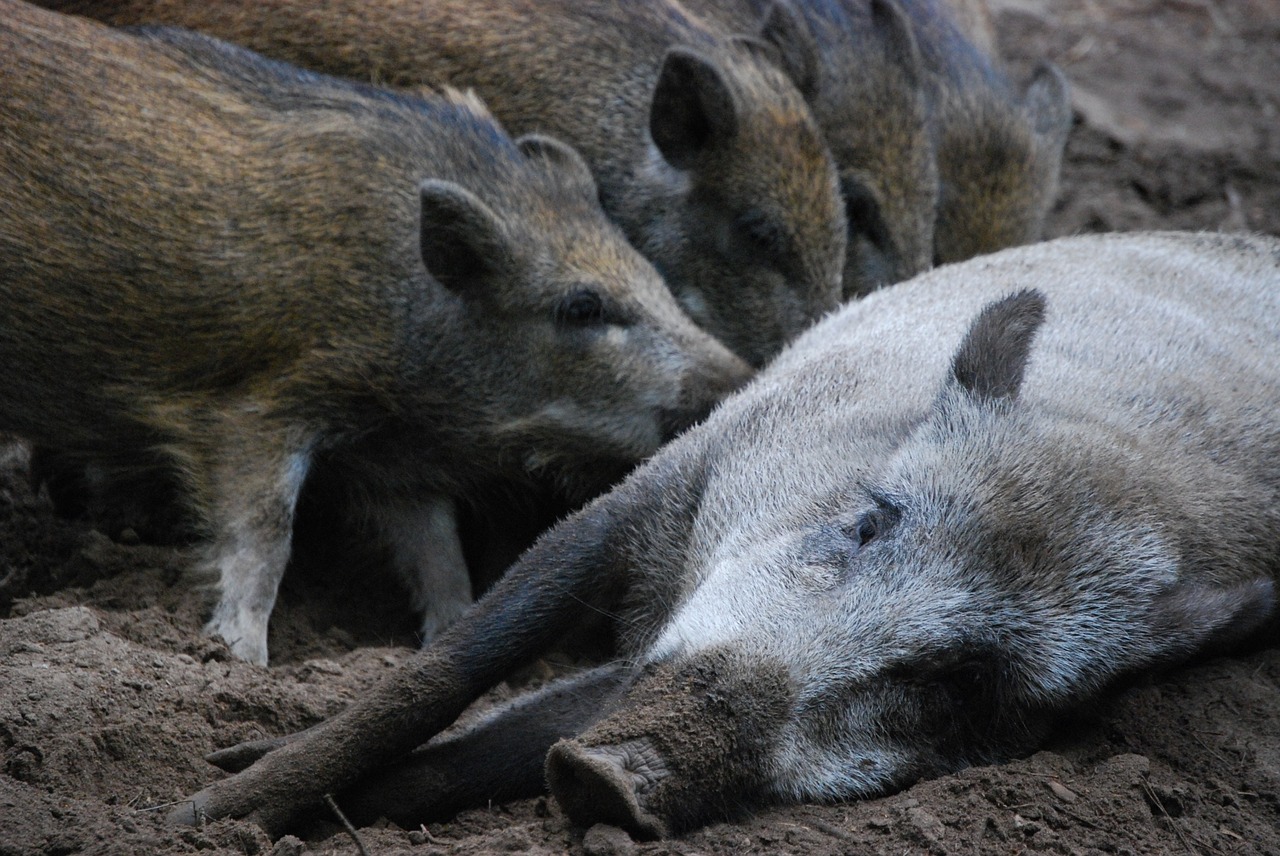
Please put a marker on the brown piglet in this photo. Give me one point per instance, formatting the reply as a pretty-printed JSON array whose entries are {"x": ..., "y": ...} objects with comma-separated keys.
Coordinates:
[
  {"x": 703, "y": 146},
  {"x": 250, "y": 274}
]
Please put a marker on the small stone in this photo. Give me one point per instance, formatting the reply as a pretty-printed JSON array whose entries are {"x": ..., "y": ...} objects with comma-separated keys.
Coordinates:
[
  {"x": 129, "y": 537},
  {"x": 1134, "y": 768},
  {"x": 513, "y": 840},
  {"x": 24, "y": 647},
  {"x": 928, "y": 825},
  {"x": 323, "y": 667},
  {"x": 605, "y": 840},
  {"x": 288, "y": 846},
  {"x": 1061, "y": 791}
]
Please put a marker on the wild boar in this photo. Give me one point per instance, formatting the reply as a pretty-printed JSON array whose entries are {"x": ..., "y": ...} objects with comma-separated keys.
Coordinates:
[
  {"x": 940, "y": 158},
  {"x": 704, "y": 150},
  {"x": 251, "y": 274},
  {"x": 942, "y": 518}
]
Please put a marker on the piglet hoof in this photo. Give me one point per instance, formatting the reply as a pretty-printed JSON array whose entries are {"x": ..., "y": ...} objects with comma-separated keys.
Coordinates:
[
  {"x": 233, "y": 759},
  {"x": 603, "y": 784}
]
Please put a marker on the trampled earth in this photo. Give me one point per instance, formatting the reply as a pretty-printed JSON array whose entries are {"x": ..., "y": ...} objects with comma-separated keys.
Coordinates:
[{"x": 110, "y": 696}]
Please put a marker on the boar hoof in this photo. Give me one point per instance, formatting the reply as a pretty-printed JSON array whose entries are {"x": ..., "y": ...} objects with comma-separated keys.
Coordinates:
[
  {"x": 605, "y": 784},
  {"x": 235, "y": 758},
  {"x": 190, "y": 812}
]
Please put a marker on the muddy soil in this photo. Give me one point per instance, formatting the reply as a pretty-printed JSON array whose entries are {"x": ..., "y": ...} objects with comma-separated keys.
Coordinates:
[{"x": 110, "y": 696}]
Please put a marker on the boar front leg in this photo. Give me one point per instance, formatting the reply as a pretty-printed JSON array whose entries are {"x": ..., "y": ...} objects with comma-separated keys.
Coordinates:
[
  {"x": 427, "y": 554},
  {"x": 501, "y": 757},
  {"x": 586, "y": 565},
  {"x": 246, "y": 487},
  {"x": 577, "y": 568}
]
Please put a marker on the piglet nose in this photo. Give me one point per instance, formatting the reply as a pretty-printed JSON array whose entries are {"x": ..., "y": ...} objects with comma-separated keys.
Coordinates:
[{"x": 703, "y": 390}]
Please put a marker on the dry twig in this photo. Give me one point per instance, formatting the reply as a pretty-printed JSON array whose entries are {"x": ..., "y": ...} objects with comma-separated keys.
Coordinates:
[{"x": 346, "y": 824}]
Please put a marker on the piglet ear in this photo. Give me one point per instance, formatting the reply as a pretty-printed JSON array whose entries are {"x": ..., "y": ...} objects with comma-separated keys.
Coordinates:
[
  {"x": 562, "y": 157},
  {"x": 892, "y": 26},
  {"x": 693, "y": 110},
  {"x": 1048, "y": 103},
  {"x": 992, "y": 359},
  {"x": 784, "y": 28},
  {"x": 462, "y": 240}
]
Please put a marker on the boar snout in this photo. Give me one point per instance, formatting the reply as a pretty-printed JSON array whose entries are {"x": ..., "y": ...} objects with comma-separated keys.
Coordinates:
[
  {"x": 603, "y": 784},
  {"x": 691, "y": 741}
]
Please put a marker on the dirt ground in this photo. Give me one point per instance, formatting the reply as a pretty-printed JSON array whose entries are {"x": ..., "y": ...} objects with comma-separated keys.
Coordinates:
[{"x": 109, "y": 695}]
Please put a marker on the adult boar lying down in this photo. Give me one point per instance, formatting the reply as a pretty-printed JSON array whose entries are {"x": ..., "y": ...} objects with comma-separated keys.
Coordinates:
[{"x": 943, "y": 518}]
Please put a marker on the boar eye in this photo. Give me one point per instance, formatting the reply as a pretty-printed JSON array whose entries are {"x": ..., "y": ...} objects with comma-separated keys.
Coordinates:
[
  {"x": 873, "y": 524},
  {"x": 581, "y": 308},
  {"x": 868, "y": 529},
  {"x": 865, "y": 530}
]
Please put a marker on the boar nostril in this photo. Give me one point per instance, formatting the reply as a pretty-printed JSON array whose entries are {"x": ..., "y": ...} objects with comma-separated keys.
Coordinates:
[{"x": 604, "y": 785}]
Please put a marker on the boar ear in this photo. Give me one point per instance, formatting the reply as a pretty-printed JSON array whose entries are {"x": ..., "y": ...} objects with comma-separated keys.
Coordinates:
[
  {"x": 1048, "y": 102},
  {"x": 893, "y": 27},
  {"x": 993, "y": 356},
  {"x": 784, "y": 29},
  {"x": 562, "y": 156},
  {"x": 692, "y": 108},
  {"x": 461, "y": 238}
]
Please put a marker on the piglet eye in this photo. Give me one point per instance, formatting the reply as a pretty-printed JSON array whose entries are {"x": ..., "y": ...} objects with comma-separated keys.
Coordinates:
[
  {"x": 762, "y": 236},
  {"x": 581, "y": 308}
]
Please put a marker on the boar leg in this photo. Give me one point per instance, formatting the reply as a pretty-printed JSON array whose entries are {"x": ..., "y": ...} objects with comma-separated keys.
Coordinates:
[
  {"x": 235, "y": 758},
  {"x": 427, "y": 554},
  {"x": 500, "y": 758},
  {"x": 248, "y": 492},
  {"x": 576, "y": 567},
  {"x": 528, "y": 725}
]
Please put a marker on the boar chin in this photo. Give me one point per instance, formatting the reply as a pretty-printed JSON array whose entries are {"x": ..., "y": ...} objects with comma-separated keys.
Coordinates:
[{"x": 691, "y": 741}]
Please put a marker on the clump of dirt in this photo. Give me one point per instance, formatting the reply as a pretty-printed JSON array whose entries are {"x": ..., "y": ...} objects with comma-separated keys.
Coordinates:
[{"x": 110, "y": 695}]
